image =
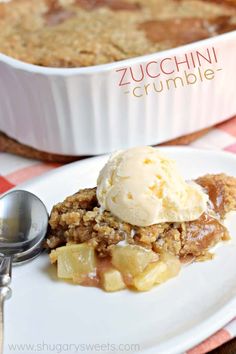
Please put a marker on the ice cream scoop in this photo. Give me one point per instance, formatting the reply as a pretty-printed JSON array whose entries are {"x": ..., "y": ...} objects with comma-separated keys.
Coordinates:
[{"x": 143, "y": 187}]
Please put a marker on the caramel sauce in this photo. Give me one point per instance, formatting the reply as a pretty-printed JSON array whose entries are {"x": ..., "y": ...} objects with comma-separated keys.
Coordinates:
[
  {"x": 2, "y": 10},
  {"x": 179, "y": 30},
  {"x": 103, "y": 265},
  {"x": 56, "y": 14},
  {"x": 216, "y": 194},
  {"x": 185, "y": 30},
  {"x": 231, "y": 3},
  {"x": 91, "y": 281},
  {"x": 203, "y": 233},
  {"x": 115, "y": 5}
]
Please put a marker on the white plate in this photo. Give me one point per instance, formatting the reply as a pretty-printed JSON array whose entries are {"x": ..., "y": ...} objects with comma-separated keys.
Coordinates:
[{"x": 54, "y": 316}]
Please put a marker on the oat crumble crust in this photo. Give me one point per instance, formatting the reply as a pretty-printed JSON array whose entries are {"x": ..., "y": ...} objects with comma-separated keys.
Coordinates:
[
  {"x": 73, "y": 33},
  {"x": 79, "y": 219}
]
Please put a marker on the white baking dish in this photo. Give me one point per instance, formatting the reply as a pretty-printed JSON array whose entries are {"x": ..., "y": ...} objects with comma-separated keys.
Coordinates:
[{"x": 84, "y": 111}]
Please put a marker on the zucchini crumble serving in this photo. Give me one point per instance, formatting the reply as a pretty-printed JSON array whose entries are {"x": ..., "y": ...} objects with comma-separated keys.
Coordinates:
[
  {"x": 74, "y": 33},
  {"x": 140, "y": 223}
]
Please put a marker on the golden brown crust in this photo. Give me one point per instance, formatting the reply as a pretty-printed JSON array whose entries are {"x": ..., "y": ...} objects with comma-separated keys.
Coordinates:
[
  {"x": 79, "y": 219},
  {"x": 73, "y": 33}
]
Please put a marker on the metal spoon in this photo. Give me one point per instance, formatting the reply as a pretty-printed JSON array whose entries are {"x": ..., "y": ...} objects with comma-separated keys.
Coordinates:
[{"x": 23, "y": 225}]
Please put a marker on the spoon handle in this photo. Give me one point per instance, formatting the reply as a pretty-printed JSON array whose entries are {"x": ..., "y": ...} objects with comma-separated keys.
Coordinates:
[
  {"x": 5, "y": 292},
  {"x": 1, "y": 324}
]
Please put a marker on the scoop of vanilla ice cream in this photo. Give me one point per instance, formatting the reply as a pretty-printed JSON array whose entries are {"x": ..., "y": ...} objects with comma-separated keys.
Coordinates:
[{"x": 143, "y": 187}]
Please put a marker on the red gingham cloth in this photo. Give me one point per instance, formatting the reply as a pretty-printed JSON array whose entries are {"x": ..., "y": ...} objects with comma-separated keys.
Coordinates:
[{"x": 15, "y": 170}]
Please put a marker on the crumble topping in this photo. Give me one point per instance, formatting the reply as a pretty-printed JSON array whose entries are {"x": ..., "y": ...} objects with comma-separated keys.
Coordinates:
[
  {"x": 79, "y": 219},
  {"x": 73, "y": 33}
]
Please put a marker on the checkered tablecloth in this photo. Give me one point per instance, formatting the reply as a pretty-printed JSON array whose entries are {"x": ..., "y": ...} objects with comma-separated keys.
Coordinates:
[{"x": 15, "y": 170}]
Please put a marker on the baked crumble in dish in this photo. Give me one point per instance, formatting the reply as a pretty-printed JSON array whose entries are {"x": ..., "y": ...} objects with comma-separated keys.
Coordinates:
[
  {"x": 74, "y": 33},
  {"x": 93, "y": 247}
]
